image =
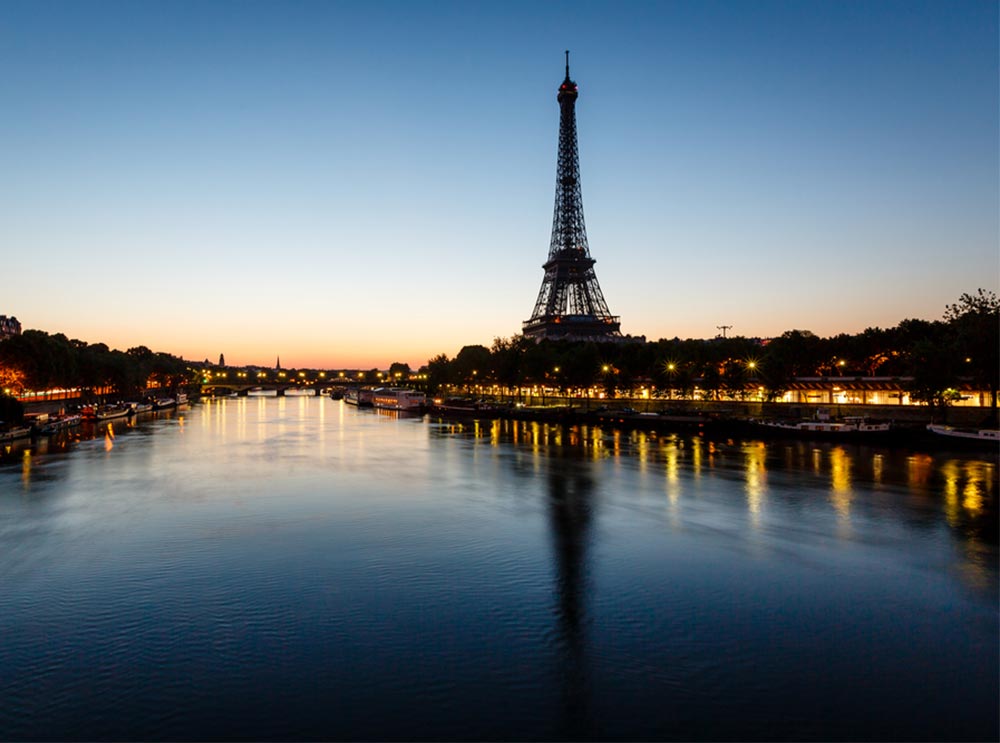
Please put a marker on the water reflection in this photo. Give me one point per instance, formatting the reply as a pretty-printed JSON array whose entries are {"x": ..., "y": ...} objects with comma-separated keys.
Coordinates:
[
  {"x": 878, "y": 482},
  {"x": 345, "y": 569},
  {"x": 570, "y": 504}
]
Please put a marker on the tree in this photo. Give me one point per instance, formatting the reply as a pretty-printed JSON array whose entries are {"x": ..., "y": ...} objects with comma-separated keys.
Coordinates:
[
  {"x": 472, "y": 365},
  {"x": 439, "y": 373},
  {"x": 975, "y": 322},
  {"x": 934, "y": 378},
  {"x": 11, "y": 409},
  {"x": 398, "y": 370},
  {"x": 507, "y": 360}
]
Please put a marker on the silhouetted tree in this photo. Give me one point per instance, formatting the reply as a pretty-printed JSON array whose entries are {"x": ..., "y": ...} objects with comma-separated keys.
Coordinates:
[{"x": 975, "y": 323}]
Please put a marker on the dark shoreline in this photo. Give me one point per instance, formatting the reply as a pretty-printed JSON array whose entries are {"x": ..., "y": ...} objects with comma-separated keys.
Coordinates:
[{"x": 900, "y": 435}]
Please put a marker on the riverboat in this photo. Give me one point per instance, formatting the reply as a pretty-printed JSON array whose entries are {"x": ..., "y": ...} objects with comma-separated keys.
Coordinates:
[
  {"x": 45, "y": 424},
  {"x": 300, "y": 392},
  {"x": 12, "y": 434},
  {"x": 261, "y": 392},
  {"x": 104, "y": 412},
  {"x": 362, "y": 398},
  {"x": 162, "y": 403},
  {"x": 847, "y": 425},
  {"x": 58, "y": 423},
  {"x": 390, "y": 398},
  {"x": 823, "y": 423},
  {"x": 139, "y": 407},
  {"x": 461, "y": 406},
  {"x": 987, "y": 436}
]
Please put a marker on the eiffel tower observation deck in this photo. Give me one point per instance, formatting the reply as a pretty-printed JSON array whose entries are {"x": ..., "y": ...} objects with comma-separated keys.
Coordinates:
[{"x": 570, "y": 304}]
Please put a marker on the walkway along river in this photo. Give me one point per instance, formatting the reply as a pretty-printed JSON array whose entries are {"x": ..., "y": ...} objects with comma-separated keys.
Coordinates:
[{"x": 297, "y": 568}]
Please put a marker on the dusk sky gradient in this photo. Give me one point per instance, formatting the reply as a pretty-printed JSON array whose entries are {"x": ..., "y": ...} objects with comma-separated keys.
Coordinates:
[{"x": 352, "y": 184}]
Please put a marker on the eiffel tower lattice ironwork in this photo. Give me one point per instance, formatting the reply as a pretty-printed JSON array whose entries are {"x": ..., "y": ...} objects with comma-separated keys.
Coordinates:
[{"x": 570, "y": 304}]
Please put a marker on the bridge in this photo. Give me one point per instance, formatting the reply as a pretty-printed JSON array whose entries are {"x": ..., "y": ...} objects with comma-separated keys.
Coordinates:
[{"x": 241, "y": 387}]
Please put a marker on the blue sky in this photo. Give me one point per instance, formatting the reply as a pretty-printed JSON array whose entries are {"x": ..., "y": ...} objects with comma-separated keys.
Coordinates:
[{"x": 349, "y": 184}]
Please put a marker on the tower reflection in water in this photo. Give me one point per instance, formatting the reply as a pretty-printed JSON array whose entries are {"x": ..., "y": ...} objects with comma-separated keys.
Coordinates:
[
  {"x": 570, "y": 504},
  {"x": 778, "y": 478}
]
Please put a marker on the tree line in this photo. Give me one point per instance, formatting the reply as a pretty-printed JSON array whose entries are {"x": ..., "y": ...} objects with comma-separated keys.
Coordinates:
[
  {"x": 36, "y": 360},
  {"x": 935, "y": 356}
]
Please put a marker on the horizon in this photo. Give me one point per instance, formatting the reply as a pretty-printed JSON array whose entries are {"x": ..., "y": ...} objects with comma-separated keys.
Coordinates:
[{"x": 346, "y": 186}]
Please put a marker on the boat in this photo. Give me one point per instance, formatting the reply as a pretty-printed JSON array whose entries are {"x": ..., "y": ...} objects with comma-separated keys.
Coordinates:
[
  {"x": 104, "y": 412},
  {"x": 390, "y": 398},
  {"x": 181, "y": 398},
  {"x": 59, "y": 423},
  {"x": 139, "y": 407},
  {"x": 45, "y": 424},
  {"x": 362, "y": 398},
  {"x": 846, "y": 425},
  {"x": 261, "y": 392},
  {"x": 822, "y": 423},
  {"x": 161, "y": 403},
  {"x": 337, "y": 393},
  {"x": 300, "y": 392},
  {"x": 462, "y": 406},
  {"x": 17, "y": 432},
  {"x": 987, "y": 436}
]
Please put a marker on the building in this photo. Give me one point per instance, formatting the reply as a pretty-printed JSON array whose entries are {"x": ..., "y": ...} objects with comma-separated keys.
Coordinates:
[{"x": 9, "y": 326}]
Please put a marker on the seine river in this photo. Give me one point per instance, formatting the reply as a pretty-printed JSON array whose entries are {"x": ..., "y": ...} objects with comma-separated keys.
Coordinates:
[{"x": 296, "y": 568}]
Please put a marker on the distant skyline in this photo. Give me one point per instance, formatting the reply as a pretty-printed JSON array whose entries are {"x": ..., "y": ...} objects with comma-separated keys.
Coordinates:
[{"x": 351, "y": 184}]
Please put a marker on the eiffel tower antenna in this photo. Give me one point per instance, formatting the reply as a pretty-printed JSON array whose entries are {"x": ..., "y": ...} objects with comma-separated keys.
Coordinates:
[{"x": 570, "y": 304}]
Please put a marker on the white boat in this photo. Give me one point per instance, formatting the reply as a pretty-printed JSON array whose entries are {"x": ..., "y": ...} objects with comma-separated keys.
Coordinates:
[
  {"x": 11, "y": 434},
  {"x": 104, "y": 412},
  {"x": 164, "y": 402},
  {"x": 261, "y": 392},
  {"x": 300, "y": 392},
  {"x": 965, "y": 434},
  {"x": 59, "y": 423},
  {"x": 139, "y": 407},
  {"x": 387, "y": 398},
  {"x": 847, "y": 425},
  {"x": 822, "y": 423},
  {"x": 362, "y": 398}
]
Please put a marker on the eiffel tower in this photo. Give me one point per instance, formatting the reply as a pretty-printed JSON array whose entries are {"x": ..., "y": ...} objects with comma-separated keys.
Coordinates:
[{"x": 570, "y": 304}]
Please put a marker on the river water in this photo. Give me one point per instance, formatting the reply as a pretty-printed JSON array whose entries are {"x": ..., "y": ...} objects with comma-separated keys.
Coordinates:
[{"x": 297, "y": 568}]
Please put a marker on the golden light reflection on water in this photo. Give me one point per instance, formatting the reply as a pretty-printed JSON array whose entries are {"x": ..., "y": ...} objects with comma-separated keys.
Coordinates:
[
  {"x": 920, "y": 467},
  {"x": 672, "y": 480},
  {"x": 755, "y": 479},
  {"x": 26, "y": 469},
  {"x": 642, "y": 451},
  {"x": 980, "y": 481},
  {"x": 840, "y": 483},
  {"x": 963, "y": 493},
  {"x": 950, "y": 472}
]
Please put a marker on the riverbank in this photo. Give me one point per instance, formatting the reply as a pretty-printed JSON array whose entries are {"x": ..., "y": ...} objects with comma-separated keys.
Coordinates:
[{"x": 907, "y": 426}]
